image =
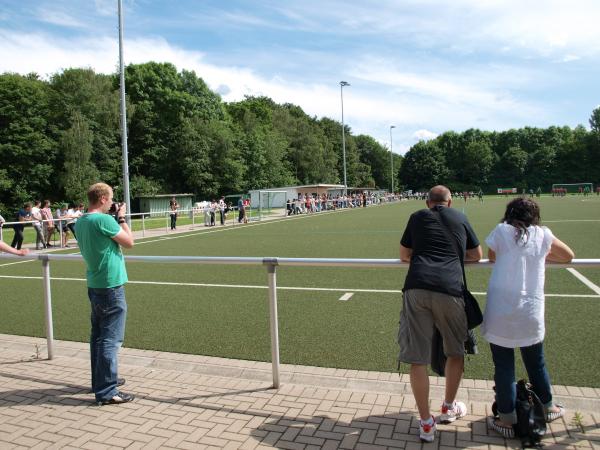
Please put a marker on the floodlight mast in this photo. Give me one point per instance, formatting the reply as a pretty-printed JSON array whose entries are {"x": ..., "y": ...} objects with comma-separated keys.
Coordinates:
[
  {"x": 392, "y": 157},
  {"x": 125, "y": 159},
  {"x": 342, "y": 84}
]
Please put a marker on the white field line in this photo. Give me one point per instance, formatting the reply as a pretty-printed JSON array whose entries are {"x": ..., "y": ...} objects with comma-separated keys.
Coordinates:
[
  {"x": 584, "y": 280},
  {"x": 572, "y": 220},
  {"x": 347, "y": 296},
  {"x": 18, "y": 262},
  {"x": 283, "y": 288}
]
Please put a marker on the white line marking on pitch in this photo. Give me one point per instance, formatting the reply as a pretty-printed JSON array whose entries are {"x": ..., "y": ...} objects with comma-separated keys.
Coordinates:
[
  {"x": 347, "y": 296},
  {"x": 572, "y": 220},
  {"x": 282, "y": 288},
  {"x": 584, "y": 280}
]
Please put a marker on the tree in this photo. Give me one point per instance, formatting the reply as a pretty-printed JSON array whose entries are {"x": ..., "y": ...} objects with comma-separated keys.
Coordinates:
[
  {"x": 510, "y": 168},
  {"x": 424, "y": 166},
  {"x": 79, "y": 172},
  {"x": 27, "y": 146}
]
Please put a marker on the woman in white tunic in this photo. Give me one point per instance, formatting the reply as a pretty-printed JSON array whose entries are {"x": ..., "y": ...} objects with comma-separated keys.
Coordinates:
[{"x": 514, "y": 313}]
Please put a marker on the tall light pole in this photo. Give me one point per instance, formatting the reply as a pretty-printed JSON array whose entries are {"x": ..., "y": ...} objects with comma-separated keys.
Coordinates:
[
  {"x": 392, "y": 156},
  {"x": 123, "y": 117},
  {"x": 342, "y": 84}
]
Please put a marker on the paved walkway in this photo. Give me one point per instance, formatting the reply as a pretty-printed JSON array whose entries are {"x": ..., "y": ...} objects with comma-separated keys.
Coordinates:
[{"x": 191, "y": 401}]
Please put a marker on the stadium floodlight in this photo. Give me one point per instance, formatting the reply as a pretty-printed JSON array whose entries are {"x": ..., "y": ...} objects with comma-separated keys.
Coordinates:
[
  {"x": 123, "y": 119},
  {"x": 392, "y": 157},
  {"x": 342, "y": 84}
]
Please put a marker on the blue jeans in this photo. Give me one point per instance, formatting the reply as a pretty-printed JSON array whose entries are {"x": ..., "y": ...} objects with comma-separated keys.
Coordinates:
[
  {"x": 504, "y": 377},
  {"x": 109, "y": 311}
]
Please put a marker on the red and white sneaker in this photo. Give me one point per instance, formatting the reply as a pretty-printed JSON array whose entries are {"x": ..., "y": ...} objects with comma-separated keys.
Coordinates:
[
  {"x": 427, "y": 430},
  {"x": 449, "y": 415}
]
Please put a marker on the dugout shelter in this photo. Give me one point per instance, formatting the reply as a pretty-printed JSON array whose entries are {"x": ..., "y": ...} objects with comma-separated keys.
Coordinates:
[{"x": 156, "y": 205}]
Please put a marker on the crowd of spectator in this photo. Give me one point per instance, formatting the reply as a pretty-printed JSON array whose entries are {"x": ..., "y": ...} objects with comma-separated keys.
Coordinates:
[{"x": 48, "y": 224}]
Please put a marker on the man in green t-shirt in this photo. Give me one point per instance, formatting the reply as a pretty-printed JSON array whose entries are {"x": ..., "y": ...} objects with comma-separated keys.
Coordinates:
[{"x": 100, "y": 239}]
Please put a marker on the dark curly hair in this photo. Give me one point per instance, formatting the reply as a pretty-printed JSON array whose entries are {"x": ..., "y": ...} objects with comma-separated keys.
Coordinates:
[{"x": 521, "y": 213}]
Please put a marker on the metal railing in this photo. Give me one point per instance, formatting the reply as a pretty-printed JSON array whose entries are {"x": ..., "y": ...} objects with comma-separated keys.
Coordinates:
[{"x": 271, "y": 265}]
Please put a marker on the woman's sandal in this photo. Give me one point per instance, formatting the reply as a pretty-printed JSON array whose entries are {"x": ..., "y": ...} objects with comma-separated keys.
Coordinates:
[
  {"x": 505, "y": 431},
  {"x": 550, "y": 416}
]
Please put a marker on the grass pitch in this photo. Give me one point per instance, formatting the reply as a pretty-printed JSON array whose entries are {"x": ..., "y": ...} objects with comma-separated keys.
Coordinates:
[{"x": 211, "y": 310}]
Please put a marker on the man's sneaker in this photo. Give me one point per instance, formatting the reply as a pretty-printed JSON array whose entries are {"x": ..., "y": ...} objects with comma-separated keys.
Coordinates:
[
  {"x": 120, "y": 397},
  {"x": 427, "y": 430},
  {"x": 448, "y": 415}
]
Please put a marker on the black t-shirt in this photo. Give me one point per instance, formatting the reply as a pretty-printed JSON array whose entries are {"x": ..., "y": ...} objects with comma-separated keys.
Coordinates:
[{"x": 434, "y": 264}]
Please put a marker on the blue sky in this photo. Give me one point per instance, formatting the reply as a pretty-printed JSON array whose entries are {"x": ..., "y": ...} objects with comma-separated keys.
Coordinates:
[{"x": 424, "y": 66}]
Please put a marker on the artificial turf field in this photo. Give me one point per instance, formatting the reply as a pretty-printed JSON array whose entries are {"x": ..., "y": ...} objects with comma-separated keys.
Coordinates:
[{"x": 211, "y": 310}]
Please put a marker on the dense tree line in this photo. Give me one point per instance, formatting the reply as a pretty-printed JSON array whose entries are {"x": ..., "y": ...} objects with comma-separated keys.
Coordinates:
[
  {"x": 525, "y": 158},
  {"x": 59, "y": 135}
]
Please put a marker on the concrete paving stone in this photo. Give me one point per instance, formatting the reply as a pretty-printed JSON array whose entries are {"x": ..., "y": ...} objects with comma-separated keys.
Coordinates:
[
  {"x": 290, "y": 445},
  {"x": 329, "y": 435},
  {"x": 363, "y": 446},
  {"x": 390, "y": 443},
  {"x": 330, "y": 445}
]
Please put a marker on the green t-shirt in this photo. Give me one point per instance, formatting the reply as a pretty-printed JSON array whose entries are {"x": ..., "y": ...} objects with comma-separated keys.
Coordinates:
[{"x": 102, "y": 255}]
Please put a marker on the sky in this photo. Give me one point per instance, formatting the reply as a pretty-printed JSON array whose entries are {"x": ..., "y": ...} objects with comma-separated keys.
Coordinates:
[{"x": 424, "y": 66}]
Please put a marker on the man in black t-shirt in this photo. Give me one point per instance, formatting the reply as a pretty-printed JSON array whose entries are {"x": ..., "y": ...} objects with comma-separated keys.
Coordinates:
[{"x": 432, "y": 298}]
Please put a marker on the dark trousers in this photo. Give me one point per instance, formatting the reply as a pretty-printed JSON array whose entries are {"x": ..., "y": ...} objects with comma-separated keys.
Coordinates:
[
  {"x": 173, "y": 221},
  {"x": 18, "y": 239},
  {"x": 212, "y": 218},
  {"x": 108, "y": 315},
  {"x": 71, "y": 226},
  {"x": 504, "y": 377}
]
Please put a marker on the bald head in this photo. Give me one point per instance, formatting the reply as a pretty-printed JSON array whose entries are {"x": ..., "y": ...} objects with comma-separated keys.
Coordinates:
[{"x": 438, "y": 194}]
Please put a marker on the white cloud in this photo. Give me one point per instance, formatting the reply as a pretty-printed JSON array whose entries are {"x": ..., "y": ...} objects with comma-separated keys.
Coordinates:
[
  {"x": 409, "y": 100},
  {"x": 60, "y": 18},
  {"x": 424, "y": 135}
]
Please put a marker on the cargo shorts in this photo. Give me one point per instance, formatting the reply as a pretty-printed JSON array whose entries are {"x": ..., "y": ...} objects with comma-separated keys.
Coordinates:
[{"x": 422, "y": 312}]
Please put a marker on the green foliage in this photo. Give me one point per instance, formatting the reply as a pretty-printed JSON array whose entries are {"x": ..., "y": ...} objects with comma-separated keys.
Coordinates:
[
  {"x": 27, "y": 144},
  {"x": 56, "y": 136},
  {"x": 424, "y": 166},
  {"x": 79, "y": 172}
]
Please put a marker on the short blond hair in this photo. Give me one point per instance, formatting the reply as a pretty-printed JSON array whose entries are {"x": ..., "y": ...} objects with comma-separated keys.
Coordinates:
[{"x": 96, "y": 191}]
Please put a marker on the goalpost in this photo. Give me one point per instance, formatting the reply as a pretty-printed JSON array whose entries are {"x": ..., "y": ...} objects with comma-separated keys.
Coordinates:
[
  {"x": 272, "y": 204},
  {"x": 573, "y": 188}
]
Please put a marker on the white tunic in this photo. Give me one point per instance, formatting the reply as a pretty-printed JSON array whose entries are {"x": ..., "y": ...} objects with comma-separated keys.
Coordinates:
[{"x": 514, "y": 312}]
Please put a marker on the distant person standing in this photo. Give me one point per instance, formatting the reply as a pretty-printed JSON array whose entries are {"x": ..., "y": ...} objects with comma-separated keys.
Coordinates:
[
  {"x": 213, "y": 211},
  {"x": 173, "y": 207},
  {"x": 46, "y": 213},
  {"x": 480, "y": 195},
  {"x": 222, "y": 207},
  {"x": 100, "y": 240},
  {"x": 24, "y": 215},
  {"x": 240, "y": 210},
  {"x": 36, "y": 214}
]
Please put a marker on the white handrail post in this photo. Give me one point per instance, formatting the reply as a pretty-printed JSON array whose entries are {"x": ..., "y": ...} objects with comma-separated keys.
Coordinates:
[
  {"x": 167, "y": 227},
  {"x": 143, "y": 226},
  {"x": 48, "y": 305},
  {"x": 271, "y": 264},
  {"x": 193, "y": 219},
  {"x": 60, "y": 228}
]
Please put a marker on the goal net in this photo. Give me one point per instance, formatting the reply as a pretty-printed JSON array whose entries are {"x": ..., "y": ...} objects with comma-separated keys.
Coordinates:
[
  {"x": 573, "y": 188},
  {"x": 271, "y": 204}
]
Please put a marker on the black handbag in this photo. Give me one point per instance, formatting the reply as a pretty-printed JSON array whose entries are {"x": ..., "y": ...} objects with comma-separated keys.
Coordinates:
[{"x": 472, "y": 309}]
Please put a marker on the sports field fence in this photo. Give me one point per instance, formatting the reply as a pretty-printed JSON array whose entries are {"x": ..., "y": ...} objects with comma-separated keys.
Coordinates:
[{"x": 270, "y": 264}]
